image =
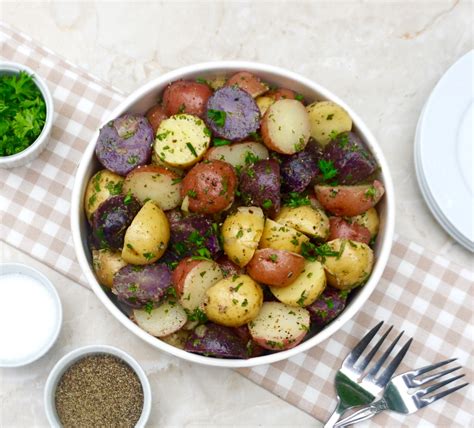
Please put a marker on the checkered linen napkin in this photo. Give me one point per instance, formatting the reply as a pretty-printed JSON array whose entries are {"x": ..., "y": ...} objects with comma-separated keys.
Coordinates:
[{"x": 424, "y": 294}]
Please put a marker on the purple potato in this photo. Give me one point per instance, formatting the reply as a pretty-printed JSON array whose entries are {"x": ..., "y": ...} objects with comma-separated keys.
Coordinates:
[
  {"x": 260, "y": 186},
  {"x": 192, "y": 232},
  {"x": 232, "y": 113},
  {"x": 139, "y": 286},
  {"x": 351, "y": 158},
  {"x": 216, "y": 341},
  {"x": 125, "y": 143},
  {"x": 328, "y": 306},
  {"x": 111, "y": 219},
  {"x": 297, "y": 171}
]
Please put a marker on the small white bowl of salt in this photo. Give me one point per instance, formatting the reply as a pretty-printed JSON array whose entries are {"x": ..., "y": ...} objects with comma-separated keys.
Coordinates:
[{"x": 30, "y": 315}]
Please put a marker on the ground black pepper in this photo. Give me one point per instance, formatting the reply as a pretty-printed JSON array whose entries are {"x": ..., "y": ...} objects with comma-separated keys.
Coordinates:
[{"x": 99, "y": 391}]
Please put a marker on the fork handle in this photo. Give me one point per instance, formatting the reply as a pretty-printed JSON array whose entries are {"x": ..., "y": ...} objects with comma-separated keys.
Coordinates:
[
  {"x": 363, "y": 414},
  {"x": 336, "y": 415}
]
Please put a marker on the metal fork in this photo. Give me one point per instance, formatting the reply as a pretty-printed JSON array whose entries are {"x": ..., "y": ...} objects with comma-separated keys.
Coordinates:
[
  {"x": 353, "y": 391},
  {"x": 398, "y": 397}
]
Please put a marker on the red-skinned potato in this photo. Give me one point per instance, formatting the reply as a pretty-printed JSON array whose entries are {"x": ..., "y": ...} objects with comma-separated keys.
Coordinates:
[
  {"x": 278, "y": 268},
  {"x": 349, "y": 200},
  {"x": 210, "y": 187},
  {"x": 192, "y": 278},
  {"x": 286, "y": 127},
  {"x": 282, "y": 94},
  {"x": 340, "y": 228},
  {"x": 155, "y": 116},
  {"x": 186, "y": 97},
  {"x": 278, "y": 326},
  {"x": 248, "y": 82},
  {"x": 228, "y": 267},
  {"x": 156, "y": 183}
]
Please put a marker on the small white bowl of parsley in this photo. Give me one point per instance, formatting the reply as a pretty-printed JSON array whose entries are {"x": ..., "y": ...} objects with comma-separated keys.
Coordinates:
[{"x": 26, "y": 114}]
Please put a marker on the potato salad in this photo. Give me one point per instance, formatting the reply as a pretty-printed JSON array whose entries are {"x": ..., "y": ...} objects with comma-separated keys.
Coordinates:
[{"x": 233, "y": 218}]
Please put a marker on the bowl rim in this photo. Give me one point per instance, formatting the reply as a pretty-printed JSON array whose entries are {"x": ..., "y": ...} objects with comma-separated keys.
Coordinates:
[
  {"x": 233, "y": 66},
  {"x": 79, "y": 353},
  {"x": 10, "y": 267},
  {"x": 35, "y": 148}
]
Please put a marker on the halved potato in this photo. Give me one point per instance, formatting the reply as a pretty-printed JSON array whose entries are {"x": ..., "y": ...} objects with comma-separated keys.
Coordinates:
[
  {"x": 368, "y": 219},
  {"x": 236, "y": 154},
  {"x": 146, "y": 239},
  {"x": 192, "y": 278},
  {"x": 306, "y": 288},
  {"x": 352, "y": 265},
  {"x": 278, "y": 326},
  {"x": 102, "y": 185},
  {"x": 310, "y": 221},
  {"x": 233, "y": 301},
  {"x": 286, "y": 127},
  {"x": 281, "y": 237},
  {"x": 248, "y": 82},
  {"x": 241, "y": 233},
  {"x": 327, "y": 120},
  {"x": 164, "y": 320},
  {"x": 182, "y": 140},
  {"x": 279, "y": 268},
  {"x": 349, "y": 201},
  {"x": 156, "y": 183},
  {"x": 106, "y": 264}
]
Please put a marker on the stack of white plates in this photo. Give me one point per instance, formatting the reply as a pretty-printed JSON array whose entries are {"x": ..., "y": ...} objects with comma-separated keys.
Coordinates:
[{"x": 444, "y": 151}]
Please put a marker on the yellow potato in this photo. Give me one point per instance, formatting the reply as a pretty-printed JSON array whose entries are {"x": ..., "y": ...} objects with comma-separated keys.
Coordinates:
[
  {"x": 106, "y": 264},
  {"x": 101, "y": 186},
  {"x": 281, "y": 237},
  {"x": 305, "y": 289},
  {"x": 307, "y": 220},
  {"x": 147, "y": 237},
  {"x": 182, "y": 140},
  {"x": 368, "y": 219},
  {"x": 263, "y": 102},
  {"x": 326, "y": 118},
  {"x": 233, "y": 301},
  {"x": 351, "y": 266},
  {"x": 241, "y": 233}
]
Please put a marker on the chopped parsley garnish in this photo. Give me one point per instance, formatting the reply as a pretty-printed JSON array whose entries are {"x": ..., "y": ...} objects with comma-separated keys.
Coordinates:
[
  {"x": 371, "y": 192},
  {"x": 333, "y": 134},
  {"x": 273, "y": 258},
  {"x": 330, "y": 116},
  {"x": 191, "y": 149},
  {"x": 267, "y": 204},
  {"x": 148, "y": 307},
  {"x": 250, "y": 158},
  {"x": 191, "y": 193},
  {"x": 295, "y": 200},
  {"x": 149, "y": 256},
  {"x": 311, "y": 252},
  {"x": 202, "y": 80},
  {"x": 176, "y": 181},
  {"x": 299, "y": 97},
  {"x": 128, "y": 198},
  {"x": 196, "y": 315},
  {"x": 114, "y": 188},
  {"x": 327, "y": 169},
  {"x": 217, "y": 116},
  {"x": 220, "y": 142},
  {"x": 22, "y": 113},
  {"x": 302, "y": 298}
]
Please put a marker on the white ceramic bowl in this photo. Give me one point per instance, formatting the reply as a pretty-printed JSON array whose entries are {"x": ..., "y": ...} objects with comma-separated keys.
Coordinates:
[
  {"x": 143, "y": 98},
  {"x": 69, "y": 359},
  {"x": 55, "y": 315},
  {"x": 40, "y": 143}
]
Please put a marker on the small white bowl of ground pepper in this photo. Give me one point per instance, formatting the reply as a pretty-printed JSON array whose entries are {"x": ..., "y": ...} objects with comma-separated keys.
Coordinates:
[
  {"x": 97, "y": 385},
  {"x": 26, "y": 114}
]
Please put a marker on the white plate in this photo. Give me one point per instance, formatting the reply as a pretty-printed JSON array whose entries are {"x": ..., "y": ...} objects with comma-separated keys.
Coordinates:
[{"x": 444, "y": 151}]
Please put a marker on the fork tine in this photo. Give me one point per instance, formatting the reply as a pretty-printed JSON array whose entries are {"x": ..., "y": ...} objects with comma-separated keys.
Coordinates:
[
  {"x": 364, "y": 363},
  {"x": 381, "y": 361},
  {"x": 390, "y": 370},
  {"x": 427, "y": 379},
  {"x": 428, "y": 400},
  {"x": 353, "y": 356},
  {"x": 436, "y": 386},
  {"x": 431, "y": 367}
]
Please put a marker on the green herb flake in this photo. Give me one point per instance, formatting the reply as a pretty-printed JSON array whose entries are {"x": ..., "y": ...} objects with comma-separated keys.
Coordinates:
[
  {"x": 191, "y": 149},
  {"x": 128, "y": 198},
  {"x": 192, "y": 193},
  {"x": 273, "y": 258},
  {"x": 295, "y": 200},
  {"x": 267, "y": 204},
  {"x": 217, "y": 142},
  {"x": 148, "y": 307},
  {"x": 299, "y": 97},
  {"x": 176, "y": 180},
  {"x": 302, "y": 298},
  {"x": 217, "y": 116},
  {"x": 327, "y": 169}
]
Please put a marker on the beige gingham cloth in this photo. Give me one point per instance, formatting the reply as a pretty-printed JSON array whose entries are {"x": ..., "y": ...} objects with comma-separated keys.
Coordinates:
[{"x": 422, "y": 293}]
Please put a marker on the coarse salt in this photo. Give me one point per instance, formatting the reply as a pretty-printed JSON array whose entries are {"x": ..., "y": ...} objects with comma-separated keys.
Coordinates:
[{"x": 28, "y": 318}]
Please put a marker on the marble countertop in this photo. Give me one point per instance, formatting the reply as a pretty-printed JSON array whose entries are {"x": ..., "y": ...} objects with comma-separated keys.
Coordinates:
[{"x": 383, "y": 59}]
